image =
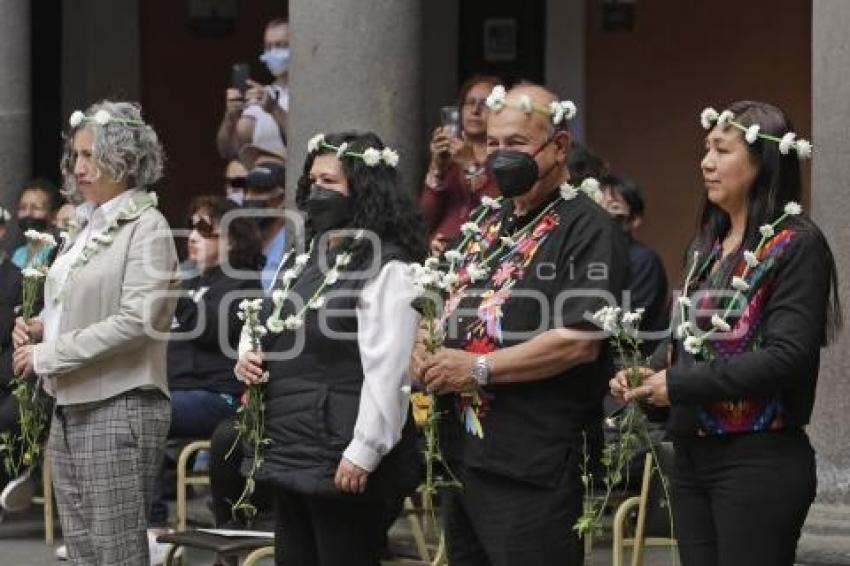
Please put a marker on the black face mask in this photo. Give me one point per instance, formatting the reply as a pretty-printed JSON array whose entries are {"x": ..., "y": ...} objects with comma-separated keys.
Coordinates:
[
  {"x": 327, "y": 209},
  {"x": 28, "y": 223},
  {"x": 515, "y": 171},
  {"x": 260, "y": 205}
]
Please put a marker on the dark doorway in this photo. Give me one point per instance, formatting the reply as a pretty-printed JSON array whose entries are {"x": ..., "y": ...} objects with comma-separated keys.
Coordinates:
[
  {"x": 46, "y": 89},
  {"x": 502, "y": 37}
]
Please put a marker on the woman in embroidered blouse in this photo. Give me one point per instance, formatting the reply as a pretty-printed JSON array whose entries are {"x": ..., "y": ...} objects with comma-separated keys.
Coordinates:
[
  {"x": 343, "y": 445},
  {"x": 741, "y": 388},
  {"x": 95, "y": 344},
  {"x": 457, "y": 178}
]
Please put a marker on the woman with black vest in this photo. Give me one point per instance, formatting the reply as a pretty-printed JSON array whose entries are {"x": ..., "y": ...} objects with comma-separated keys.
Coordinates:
[
  {"x": 340, "y": 333},
  {"x": 759, "y": 302}
]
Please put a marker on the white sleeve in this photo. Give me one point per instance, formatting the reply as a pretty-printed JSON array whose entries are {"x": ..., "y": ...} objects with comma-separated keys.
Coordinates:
[{"x": 387, "y": 327}]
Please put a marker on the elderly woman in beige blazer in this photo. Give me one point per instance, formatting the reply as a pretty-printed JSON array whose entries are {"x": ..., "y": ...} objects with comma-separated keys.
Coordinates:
[{"x": 99, "y": 344}]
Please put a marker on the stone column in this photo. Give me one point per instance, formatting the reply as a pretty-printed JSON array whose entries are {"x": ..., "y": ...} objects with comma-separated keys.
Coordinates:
[
  {"x": 356, "y": 65},
  {"x": 15, "y": 160},
  {"x": 827, "y": 534}
]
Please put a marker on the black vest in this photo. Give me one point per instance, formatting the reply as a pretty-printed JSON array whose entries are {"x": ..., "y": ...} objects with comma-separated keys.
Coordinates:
[{"x": 313, "y": 396}]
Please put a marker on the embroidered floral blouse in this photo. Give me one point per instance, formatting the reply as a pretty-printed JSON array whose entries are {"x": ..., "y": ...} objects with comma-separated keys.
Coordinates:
[{"x": 763, "y": 375}]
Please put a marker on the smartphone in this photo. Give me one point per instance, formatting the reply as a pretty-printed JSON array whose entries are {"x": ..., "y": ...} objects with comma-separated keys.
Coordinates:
[
  {"x": 450, "y": 120},
  {"x": 240, "y": 75}
]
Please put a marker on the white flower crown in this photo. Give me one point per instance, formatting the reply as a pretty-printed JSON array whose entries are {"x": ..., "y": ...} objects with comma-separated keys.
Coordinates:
[
  {"x": 710, "y": 117},
  {"x": 101, "y": 118},
  {"x": 557, "y": 110},
  {"x": 371, "y": 156}
]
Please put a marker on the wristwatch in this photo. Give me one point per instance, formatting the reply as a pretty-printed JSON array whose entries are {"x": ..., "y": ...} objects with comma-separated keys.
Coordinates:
[{"x": 481, "y": 371}]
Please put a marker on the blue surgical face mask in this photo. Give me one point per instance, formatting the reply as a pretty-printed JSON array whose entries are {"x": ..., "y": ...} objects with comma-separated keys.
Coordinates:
[{"x": 277, "y": 60}]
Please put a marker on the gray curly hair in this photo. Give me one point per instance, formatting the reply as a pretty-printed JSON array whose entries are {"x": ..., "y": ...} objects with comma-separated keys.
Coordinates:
[{"x": 122, "y": 149}]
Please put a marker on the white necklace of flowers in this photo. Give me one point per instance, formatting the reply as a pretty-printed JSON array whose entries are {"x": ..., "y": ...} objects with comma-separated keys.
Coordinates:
[
  {"x": 710, "y": 117},
  {"x": 472, "y": 228},
  {"x": 371, "y": 156},
  {"x": 279, "y": 296},
  {"x": 101, "y": 118},
  {"x": 102, "y": 240},
  {"x": 693, "y": 340},
  {"x": 557, "y": 111}
]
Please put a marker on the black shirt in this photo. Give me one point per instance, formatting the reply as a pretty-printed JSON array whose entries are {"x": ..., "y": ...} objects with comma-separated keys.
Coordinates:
[
  {"x": 572, "y": 263},
  {"x": 201, "y": 363}
]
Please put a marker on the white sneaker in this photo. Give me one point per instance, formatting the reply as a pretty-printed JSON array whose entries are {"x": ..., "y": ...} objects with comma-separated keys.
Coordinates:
[
  {"x": 159, "y": 550},
  {"x": 62, "y": 552}
]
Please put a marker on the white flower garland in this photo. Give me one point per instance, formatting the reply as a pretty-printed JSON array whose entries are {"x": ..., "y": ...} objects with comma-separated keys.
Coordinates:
[
  {"x": 101, "y": 118},
  {"x": 557, "y": 111},
  {"x": 709, "y": 118},
  {"x": 315, "y": 302},
  {"x": 102, "y": 240},
  {"x": 371, "y": 156},
  {"x": 693, "y": 341}
]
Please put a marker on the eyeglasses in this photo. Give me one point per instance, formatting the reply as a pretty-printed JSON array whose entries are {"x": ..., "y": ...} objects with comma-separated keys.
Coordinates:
[
  {"x": 235, "y": 182},
  {"x": 204, "y": 228},
  {"x": 475, "y": 101}
]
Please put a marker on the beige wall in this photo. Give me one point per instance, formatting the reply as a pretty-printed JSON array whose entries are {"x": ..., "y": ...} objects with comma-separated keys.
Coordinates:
[{"x": 646, "y": 88}]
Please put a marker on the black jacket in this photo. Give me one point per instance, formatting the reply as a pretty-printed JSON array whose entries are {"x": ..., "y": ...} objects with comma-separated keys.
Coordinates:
[{"x": 201, "y": 362}]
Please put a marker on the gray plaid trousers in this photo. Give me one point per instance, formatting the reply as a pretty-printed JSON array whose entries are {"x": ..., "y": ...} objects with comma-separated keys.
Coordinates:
[{"x": 105, "y": 457}]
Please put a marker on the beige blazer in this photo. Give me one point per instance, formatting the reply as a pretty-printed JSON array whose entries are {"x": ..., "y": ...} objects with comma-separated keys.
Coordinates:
[{"x": 109, "y": 306}]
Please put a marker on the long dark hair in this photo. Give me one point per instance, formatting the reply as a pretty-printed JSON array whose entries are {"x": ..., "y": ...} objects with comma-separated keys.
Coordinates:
[
  {"x": 778, "y": 181},
  {"x": 378, "y": 202},
  {"x": 246, "y": 245}
]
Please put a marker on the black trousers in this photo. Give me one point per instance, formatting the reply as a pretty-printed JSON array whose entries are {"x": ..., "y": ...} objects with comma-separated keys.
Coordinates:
[
  {"x": 742, "y": 499},
  {"x": 323, "y": 531},
  {"x": 499, "y": 521}
]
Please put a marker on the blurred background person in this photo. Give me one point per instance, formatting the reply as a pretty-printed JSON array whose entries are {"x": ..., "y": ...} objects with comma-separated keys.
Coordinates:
[
  {"x": 647, "y": 284},
  {"x": 456, "y": 178},
  {"x": 584, "y": 163},
  {"x": 234, "y": 181},
  {"x": 10, "y": 297},
  {"x": 264, "y": 195},
  {"x": 260, "y": 110},
  {"x": 36, "y": 208}
]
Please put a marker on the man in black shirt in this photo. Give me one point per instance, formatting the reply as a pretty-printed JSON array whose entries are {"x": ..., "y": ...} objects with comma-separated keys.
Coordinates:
[{"x": 542, "y": 262}]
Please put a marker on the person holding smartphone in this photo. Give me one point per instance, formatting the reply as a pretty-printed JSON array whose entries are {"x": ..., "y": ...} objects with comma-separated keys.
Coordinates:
[
  {"x": 456, "y": 178},
  {"x": 252, "y": 109}
]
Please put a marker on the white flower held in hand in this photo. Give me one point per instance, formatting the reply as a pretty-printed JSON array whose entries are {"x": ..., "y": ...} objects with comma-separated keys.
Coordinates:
[{"x": 766, "y": 230}]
